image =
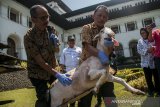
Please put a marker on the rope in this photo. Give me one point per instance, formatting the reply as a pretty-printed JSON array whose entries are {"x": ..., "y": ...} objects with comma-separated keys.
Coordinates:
[{"x": 72, "y": 100}]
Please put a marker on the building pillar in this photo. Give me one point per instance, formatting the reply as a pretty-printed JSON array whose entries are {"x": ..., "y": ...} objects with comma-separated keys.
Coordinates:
[
  {"x": 122, "y": 27},
  {"x": 139, "y": 24},
  {"x": 157, "y": 21}
]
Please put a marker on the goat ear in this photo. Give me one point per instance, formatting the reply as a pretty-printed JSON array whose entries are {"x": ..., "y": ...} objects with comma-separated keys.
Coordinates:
[
  {"x": 116, "y": 43},
  {"x": 96, "y": 37}
]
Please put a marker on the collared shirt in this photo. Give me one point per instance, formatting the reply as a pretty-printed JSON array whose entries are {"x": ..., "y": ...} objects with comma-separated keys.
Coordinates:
[
  {"x": 147, "y": 59},
  {"x": 88, "y": 33},
  {"x": 156, "y": 37},
  {"x": 70, "y": 57},
  {"x": 37, "y": 42}
]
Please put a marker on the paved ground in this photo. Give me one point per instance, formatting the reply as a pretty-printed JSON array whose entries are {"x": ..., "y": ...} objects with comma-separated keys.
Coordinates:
[{"x": 14, "y": 80}]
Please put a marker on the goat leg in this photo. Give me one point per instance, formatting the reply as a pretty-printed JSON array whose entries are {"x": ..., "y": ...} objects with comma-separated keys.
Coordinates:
[{"x": 125, "y": 84}]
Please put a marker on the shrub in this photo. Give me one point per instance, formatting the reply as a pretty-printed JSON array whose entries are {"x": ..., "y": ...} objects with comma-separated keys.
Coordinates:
[
  {"x": 124, "y": 72},
  {"x": 137, "y": 69},
  {"x": 120, "y": 60},
  {"x": 139, "y": 83},
  {"x": 23, "y": 64},
  {"x": 133, "y": 76}
]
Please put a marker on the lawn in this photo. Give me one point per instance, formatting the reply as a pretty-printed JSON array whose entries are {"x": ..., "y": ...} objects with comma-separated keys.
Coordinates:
[
  {"x": 26, "y": 98},
  {"x": 22, "y": 97}
]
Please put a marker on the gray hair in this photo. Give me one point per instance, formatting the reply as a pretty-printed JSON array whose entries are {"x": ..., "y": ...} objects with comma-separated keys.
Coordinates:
[{"x": 101, "y": 7}]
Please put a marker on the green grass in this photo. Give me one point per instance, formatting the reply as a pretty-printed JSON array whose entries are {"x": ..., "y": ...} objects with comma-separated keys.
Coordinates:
[
  {"x": 27, "y": 97},
  {"x": 123, "y": 95},
  {"x": 22, "y": 97}
]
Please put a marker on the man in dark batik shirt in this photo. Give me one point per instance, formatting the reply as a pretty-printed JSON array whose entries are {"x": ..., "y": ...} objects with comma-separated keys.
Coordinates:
[{"x": 40, "y": 55}]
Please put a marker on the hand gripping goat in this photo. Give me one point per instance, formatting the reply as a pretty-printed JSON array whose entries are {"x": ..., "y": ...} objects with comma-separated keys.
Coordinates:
[{"x": 90, "y": 74}]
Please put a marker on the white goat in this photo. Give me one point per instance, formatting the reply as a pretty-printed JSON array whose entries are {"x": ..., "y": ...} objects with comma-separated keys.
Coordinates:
[{"x": 90, "y": 74}]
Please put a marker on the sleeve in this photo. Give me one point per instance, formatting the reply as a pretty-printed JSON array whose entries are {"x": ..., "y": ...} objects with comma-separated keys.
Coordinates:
[
  {"x": 85, "y": 33},
  {"x": 30, "y": 47},
  {"x": 141, "y": 49},
  {"x": 62, "y": 58},
  {"x": 80, "y": 50},
  {"x": 155, "y": 33}
]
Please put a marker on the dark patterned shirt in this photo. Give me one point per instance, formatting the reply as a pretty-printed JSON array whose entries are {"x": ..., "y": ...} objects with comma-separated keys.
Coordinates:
[
  {"x": 89, "y": 31},
  {"x": 37, "y": 42}
]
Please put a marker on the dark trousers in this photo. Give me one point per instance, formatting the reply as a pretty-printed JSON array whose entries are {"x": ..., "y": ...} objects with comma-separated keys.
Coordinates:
[
  {"x": 106, "y": 91},
  {"x": 42, "y": 92},
  {"x": 99, "y": 98},
  {"x": 149, "y": 73},
  {"x": 72, "y": 105},
  {"x": 157, "y": 63},
  {"x": 85, "y": 101}
]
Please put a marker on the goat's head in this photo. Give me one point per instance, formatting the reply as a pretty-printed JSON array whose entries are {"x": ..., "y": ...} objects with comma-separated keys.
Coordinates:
[{"x": 106, "y": 41}]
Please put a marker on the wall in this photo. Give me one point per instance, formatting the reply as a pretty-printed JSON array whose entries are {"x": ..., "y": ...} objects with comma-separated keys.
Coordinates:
[
  {"x": 15, "y": 30},
  {"x": 126, "y": 36}
]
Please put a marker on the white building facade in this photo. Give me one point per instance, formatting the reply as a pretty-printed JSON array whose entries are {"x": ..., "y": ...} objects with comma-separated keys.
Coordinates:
[{"x": 15, "y": 21}]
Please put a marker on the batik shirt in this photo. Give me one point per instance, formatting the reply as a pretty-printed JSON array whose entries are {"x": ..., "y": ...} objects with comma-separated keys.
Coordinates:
[
  {"x": 147, "y": 59},
  {"x": 88, "y": 33},
  {"x": 36, "y": 42}
]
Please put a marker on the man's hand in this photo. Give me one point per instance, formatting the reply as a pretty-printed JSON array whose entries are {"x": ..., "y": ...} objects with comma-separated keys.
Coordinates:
[
  {"x": 149, "y": 28},
  {"x": 151, "y": 49},
  {"x": 64, "y": 79},
  {"x": 103, "y": 57},
  {"x": 54, "y": 39}
]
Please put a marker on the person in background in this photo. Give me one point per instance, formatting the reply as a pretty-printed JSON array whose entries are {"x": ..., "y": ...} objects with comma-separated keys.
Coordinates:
[
  {"x": 147, "y": 62},
  {"x": 89, "y": 31},
  {"x": 40, "y": 55},
  {"x": 70, "y": 56},
  {"x": 53, "y": 34},
  {"x": 154, "y": 35}
]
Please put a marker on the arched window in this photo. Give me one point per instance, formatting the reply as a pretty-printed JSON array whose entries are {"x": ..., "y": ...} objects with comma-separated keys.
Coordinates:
[
  {"x": 133, "y": 48},
  {"x": 12, "y": 49},
  {"x": 119, "y": 50}
]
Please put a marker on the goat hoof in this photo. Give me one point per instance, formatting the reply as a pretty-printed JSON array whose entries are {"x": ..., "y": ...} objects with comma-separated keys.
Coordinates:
[
  {"x": 95, "y": 91},
  {"x": 141, "y": 92}
]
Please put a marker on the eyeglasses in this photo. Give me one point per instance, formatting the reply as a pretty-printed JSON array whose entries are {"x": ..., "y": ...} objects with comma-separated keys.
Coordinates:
[{"x": 43, "y": 18}]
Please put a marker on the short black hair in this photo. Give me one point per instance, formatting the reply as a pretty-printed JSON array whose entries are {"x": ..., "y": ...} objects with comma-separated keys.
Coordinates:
[
  {"x": 101, "y": 7},
  {"x": 71, "y": 38},
  {"x": 144, "y": 29},
  {"x": 33, "y": 9}
]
